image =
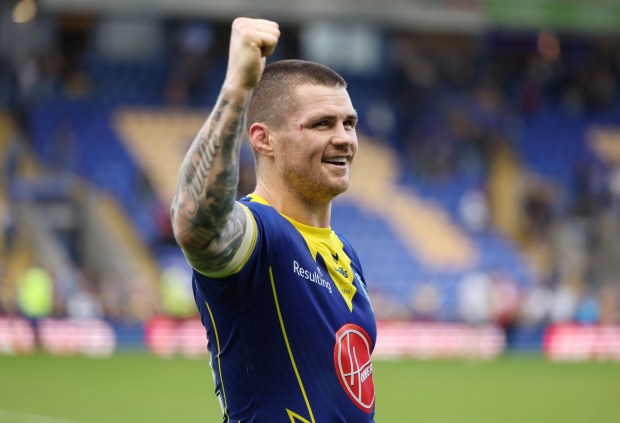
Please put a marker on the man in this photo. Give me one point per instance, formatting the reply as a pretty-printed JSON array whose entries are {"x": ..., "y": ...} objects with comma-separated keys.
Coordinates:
[{"x": 282, "y": 297}]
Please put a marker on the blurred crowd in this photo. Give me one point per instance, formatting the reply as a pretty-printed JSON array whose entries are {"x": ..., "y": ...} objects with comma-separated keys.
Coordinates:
[
  {"x": 454, "y": 106},
  {"x": 459, "y": 107}
]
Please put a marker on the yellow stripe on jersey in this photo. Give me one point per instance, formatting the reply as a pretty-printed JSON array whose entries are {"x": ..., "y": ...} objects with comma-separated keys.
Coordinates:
[
  {"x": 290, "y": 354},
  {"x": 258, "y": 199},
  {"x": 248, "y": 243},
  {"x": 219, "y": 365},
  {"x": 295, "y": 418},
  {"x": 324, "y": 241}
]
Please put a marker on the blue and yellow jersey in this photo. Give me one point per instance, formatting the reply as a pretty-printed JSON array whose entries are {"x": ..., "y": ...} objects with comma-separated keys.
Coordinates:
[{"x": 289, "y": 325}]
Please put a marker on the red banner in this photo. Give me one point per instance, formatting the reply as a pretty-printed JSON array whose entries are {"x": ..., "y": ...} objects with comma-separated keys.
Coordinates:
[
  {"x": 572, "y": 342},
  {"x": 166, "y": 337},
  {"x": 438, "y": 340},
  {"x": 16, "y": 336},
  {"x": 94, "y": 337}
]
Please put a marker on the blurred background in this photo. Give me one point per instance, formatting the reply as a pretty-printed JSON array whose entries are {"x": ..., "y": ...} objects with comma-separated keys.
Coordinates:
[
  {"x": 485, "y": 203},
  {"x": 484, "y": 206}
]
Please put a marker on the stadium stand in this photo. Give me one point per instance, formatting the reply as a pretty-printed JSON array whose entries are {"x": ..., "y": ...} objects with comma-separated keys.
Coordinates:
[
  {"x": 157, "y": 139},
  {"x": 475, "y": 176}
]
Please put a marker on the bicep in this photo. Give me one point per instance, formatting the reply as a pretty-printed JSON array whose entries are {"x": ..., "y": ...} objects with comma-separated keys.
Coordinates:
[{"x": 229, "y": 250}]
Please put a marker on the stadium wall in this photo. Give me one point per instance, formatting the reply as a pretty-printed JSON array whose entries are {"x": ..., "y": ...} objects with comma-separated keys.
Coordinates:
[{"x": 166, "y": 337}]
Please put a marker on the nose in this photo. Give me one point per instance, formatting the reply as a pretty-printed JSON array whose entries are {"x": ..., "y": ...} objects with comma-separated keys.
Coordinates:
[{"x": 343, "y": 136}]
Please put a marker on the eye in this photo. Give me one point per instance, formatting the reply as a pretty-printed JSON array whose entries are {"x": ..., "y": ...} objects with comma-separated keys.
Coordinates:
[
  {"x": 349, "y": 123},
  {"x": 321, "y": 124}
]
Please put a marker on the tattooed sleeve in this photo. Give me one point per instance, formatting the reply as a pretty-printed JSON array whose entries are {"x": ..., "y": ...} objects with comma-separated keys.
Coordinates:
[{"x": 208, "y": 223}]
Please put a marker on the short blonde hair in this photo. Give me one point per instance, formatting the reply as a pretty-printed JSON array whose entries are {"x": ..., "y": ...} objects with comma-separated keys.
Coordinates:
[{"x": 274, "y": 94}]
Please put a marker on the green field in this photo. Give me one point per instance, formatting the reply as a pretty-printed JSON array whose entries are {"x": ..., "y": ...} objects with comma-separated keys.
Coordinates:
[{"x": 132, "y": 388}]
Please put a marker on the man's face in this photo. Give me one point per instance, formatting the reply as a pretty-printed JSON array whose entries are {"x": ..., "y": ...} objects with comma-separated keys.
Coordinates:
[{"x": 317, "y": 143}]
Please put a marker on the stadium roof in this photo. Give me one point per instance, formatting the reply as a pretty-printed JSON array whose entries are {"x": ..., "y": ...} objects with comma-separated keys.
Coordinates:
[{"x": 455, "y": 15}]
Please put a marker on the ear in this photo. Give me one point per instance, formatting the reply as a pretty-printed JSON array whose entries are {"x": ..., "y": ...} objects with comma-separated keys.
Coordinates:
[{"x": 261, "y": 139}]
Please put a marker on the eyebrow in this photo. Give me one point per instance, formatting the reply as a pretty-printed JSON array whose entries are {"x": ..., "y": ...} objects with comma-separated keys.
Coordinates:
[
  {"x": 354, "y": 116},
  {"x": 319, "y": 117}
]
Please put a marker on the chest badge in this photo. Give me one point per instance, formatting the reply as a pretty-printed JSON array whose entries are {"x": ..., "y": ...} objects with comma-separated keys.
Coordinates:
[{"x": 354, "y": 366}]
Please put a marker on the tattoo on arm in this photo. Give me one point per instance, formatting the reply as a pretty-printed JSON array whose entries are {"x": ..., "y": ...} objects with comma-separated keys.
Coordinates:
[
  {"x": 224, "y": 248},
  {"x": 207, "y": 221}
]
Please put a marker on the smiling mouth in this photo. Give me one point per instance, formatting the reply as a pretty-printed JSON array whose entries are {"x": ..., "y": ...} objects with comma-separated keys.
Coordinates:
[{"x": 338, "y": 161}]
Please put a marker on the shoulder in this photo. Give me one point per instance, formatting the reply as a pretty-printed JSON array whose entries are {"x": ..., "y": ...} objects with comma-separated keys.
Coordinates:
[
  {"x": 255, "y": 206},
  {"x": 265, "y": 215}
]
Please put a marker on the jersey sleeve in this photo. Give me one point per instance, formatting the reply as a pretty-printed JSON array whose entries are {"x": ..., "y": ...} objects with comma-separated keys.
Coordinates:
[{"x": 241, "y": 257}]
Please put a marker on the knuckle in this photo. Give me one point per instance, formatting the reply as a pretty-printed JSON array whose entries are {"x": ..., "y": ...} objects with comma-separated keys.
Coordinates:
[{"x": 242, "y": 25}]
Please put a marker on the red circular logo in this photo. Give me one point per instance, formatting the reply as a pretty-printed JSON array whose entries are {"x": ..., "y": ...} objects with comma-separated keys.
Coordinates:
[{"x": 354, "y": 367}]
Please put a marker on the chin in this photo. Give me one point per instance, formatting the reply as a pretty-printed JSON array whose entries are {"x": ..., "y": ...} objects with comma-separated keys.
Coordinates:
[
  {"x": 338, "y": 189},
  {"x": 325, "y": 192}
]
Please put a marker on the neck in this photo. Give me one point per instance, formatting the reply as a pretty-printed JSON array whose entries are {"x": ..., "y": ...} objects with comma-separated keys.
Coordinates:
[{"x": 304, "y": 210}]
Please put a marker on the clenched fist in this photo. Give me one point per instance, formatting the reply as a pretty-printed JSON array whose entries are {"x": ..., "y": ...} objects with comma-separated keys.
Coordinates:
[{"x": 251, "y": 42}]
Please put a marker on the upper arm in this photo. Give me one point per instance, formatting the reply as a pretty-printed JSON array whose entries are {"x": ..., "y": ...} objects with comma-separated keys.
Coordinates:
[{"x": 227, "y": 250}]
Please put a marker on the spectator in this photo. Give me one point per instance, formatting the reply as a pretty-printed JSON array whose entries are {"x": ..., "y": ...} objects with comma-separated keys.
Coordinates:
[
  {"x": 84, "y": 302},
  {"x": 36, "y": 293},
  {"x": 536, "y": 305},
  {"x": 505, "y": 299},
  {"x": 426, "y": 302},
  {"x": 608, "y": 301},
  {"x": 474, "y": 298},
  {"x": 588, "y": 310},
  {"x": 176, "y": 294},
  {"x": 474, "y": 210},
  {"x": 564, "y": 303}
]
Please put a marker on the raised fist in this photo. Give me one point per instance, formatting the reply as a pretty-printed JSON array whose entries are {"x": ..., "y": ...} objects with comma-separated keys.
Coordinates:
[{"x": 251, "y": 42}]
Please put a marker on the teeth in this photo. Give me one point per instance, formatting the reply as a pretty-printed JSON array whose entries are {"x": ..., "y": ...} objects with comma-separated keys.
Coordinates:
[{"x": 336, "y": 160}]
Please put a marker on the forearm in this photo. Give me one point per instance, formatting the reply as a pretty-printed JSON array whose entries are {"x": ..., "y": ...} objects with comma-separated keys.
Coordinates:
[
  {"x": 207, "y": 185},
  {"x": 208, "y": 224}
]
